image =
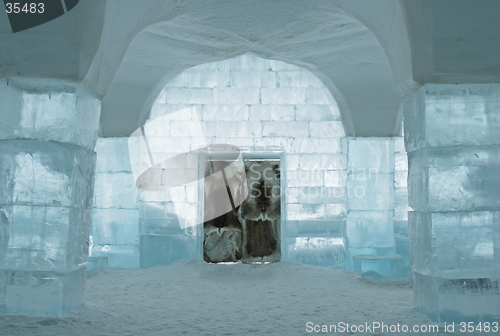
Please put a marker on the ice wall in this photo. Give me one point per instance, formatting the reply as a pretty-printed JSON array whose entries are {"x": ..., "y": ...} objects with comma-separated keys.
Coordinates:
[
  {"x": 115, "y": 216},
  {"x": 337, "y": 191},
  {"x": 269, "y": 106},
  {"x": 452, "y": 137},
  {"x": 48, "y": 131}
]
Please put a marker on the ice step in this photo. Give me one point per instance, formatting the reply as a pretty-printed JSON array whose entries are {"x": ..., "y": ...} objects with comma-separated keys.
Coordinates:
[{"x": 382, "y": 267}]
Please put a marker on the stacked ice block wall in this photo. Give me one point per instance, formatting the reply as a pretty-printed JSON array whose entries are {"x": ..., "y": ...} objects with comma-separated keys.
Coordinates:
[
  {"x": 266, "y": 106},
  {"x": 115, "y": 217},
  {"x": 263, "y": 106},
  {"x": 452, "y": 136},
  {"x": 48, "y": 131}
]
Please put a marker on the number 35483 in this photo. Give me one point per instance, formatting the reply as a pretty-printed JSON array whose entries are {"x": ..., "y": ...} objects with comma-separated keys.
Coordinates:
[{"x": 26, "y": 8}]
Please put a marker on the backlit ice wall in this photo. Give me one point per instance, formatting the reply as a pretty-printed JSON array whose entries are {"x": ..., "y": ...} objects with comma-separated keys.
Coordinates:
[{"x": 342, "y": 196}]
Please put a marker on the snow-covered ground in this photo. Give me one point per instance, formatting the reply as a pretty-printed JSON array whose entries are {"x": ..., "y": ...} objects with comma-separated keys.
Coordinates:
[{"x": 195, "y": 298}]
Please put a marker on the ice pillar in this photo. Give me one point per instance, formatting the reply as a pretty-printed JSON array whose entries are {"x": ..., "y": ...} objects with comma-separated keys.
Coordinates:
[
  {"x": 452, "y": 136},
  {"x": 48, "y": 131},
  {"x": 370, "y": 204}
]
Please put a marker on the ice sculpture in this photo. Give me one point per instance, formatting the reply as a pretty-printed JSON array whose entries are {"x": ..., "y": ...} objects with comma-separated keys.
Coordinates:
[
  {"x": 46, "y": 171},
  {"x": 451, "y": 134}
]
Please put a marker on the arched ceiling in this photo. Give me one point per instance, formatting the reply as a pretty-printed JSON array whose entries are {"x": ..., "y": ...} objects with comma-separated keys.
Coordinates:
[
  {"x": 368, "y": 52},
  {"x": 321, "y": 36}
]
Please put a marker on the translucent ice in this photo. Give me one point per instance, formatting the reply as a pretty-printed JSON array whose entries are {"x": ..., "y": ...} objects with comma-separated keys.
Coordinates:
[
  {"x": 124, "y": 256},
  {"x": 71, "y": 115},
  {"x": 165, "y": 249},
  {"x": 370, "y": 229},
  {"x": 454, "y": 178},
  {"x": 468, "y": 111},
  {"x": 115, "y": 226},
  {"x": 318, "y": 251},
  {"x": 41, "y": 293}
]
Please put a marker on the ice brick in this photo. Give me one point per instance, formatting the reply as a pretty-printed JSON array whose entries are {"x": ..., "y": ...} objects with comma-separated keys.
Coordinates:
[
  {"x": 320, "y": 228},
  {"x": 452, "y": 115},
  {"x": 285, "y": 129},
  {"x": 41, "y": 293},
  {"x": 166, "y": 249},
  {"x": 298, "y": 79},
  {"x": 320, "y": 251},
  {"x": 469, "y": 300},
  {"x": 45, "y": 173},
  {"x": 333, "y": 161},
  {"x": 235, "y": 96},
  {"x": 123, "y": 256},
  {"x": 232, "y": 129},
  {"x": 246, "y": 79},
  {"x": 316, "y": 145},
  {"x": 312, "y": 195},
  {"x": 37, "y": 238},
  {"x": 115, "y": 226},
  {"x": 455, "y": 244},
  {"x": 382, "y": 267},
  {"x": 370, "y": 229},
  {"x": 116, "y": 190},
  {"x": 401, "y": 179},
  {"x": 370, "y": 192},
  {"x": 225, "y": 112},
  {"x": 371, "y": 155},
  {"x": 279, "y": 96},
  {"x": 400, "y": 162},
  {"x": 272, "y": 112},
  {"x": 454, "y": 178},
  {"x": 311, "y": 112},
  {"x": 305, "y": 211},
  {"x": 328, "y": 129},
  {"x": 401, "y": 207},
  {"x": 70, "y": 115},
  {"x": 112, "y": 155}
]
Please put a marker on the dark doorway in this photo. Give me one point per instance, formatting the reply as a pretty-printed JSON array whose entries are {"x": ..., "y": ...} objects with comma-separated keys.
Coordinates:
[{"x": 251, "y": 232}]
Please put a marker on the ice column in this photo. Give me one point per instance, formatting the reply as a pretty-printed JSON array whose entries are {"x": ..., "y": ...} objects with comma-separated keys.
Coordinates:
[
  {"x": 115, "y": 217},
  {"x": 370, "y": 199},
  {"x": 452, "y": 136},
  {"x": 48, "y": 131}
]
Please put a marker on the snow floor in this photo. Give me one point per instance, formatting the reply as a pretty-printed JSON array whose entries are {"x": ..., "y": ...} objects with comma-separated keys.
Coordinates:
[{"x": 195, "y": 298}]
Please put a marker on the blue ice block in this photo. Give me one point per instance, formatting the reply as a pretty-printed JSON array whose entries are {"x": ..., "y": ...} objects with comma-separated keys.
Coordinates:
[
  {"x": 382, "y": 267},
  {"x": 41, "y": 293},
  {"x": 454, "y": 178},
  {"x": 122, "y": 256},
  {"x": 318, "y": 251},
  {"x": 457, "y": 300},
  {"x": 46, "y": 173},
  {"x": 116, "y": 190},
  {"x": 455, "y": 244},
  {"x": 158, "y": 249},
  {"x": 115, "y": 226},
  {"x": 370, "y": 229},
  {"x": 70, "y": 116},
  {"x": 469, "y": 112}
]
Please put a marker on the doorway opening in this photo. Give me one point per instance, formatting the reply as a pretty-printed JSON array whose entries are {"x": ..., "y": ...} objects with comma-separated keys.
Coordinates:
[{"x": 251, "y": 233}]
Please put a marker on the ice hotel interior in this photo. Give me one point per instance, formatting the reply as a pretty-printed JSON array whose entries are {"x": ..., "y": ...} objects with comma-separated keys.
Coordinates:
[{"x": 206, "y": 167}]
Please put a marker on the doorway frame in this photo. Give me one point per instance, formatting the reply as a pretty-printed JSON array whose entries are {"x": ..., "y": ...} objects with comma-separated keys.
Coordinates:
[{"x": 267, "y": 153}]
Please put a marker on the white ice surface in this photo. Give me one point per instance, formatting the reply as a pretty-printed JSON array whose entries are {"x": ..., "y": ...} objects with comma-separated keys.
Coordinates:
[{"x": 201, "y": 299}]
